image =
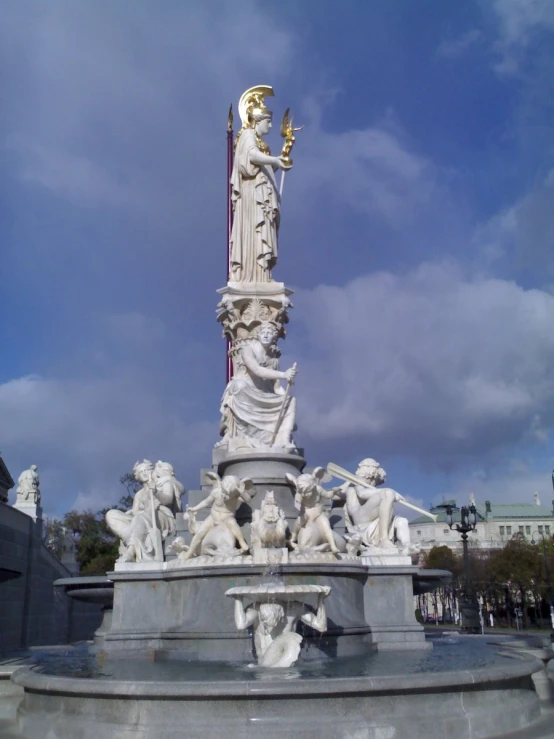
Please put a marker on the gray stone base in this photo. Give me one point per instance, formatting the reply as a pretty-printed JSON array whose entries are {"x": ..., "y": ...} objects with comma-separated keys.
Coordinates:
[
  {"x": 389, "y": 609},
  {"x": 267, "y": 470},
  {"x": 185, "y": 612},
  {"x": 480, "y": 704}
]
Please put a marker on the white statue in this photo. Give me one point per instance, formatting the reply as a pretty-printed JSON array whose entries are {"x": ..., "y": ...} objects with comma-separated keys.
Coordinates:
[
  {"x": 269, "y": 525},
  {"x": 256, "y": 412},
  {"x": 219, "y": 533},
  {"x": 254, "y": 192},
  {"x": 28, "y": 490},
  {"x": 274, "y": 611},
  {"x": 369, "y": 510},
  {"x": 312, "y": 530},
  {"x": 151, "y": 520},
  {"x": 168, "y": 488}
]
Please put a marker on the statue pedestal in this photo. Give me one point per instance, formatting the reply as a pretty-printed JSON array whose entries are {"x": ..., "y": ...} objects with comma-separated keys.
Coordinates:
[
  {"x": 267, "y": 469},
  {"x": 385, "y": 557},
  {"x": 30, "y": 508},
  {"x": 389, "y": 608},
  {"x": 247, "y": 291}
]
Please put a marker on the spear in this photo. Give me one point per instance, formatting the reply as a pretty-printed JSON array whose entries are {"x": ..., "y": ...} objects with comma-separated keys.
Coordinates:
[
  {"x": 228, "y": 360},
  {"x": 282, "y": 411}
]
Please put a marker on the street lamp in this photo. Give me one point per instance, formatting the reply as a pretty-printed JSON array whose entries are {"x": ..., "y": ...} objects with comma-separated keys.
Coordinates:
[
  {"x": 469, "y": 606},
  {"x": 548, "y": 580}
]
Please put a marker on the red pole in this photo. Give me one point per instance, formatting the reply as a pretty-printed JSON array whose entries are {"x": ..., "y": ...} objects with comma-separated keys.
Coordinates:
[{"x": 228, "y": 360}]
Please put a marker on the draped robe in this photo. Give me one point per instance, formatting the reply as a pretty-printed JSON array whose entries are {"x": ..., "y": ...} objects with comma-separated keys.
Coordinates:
[
  {"x": 251, "y": 405},
  {"x": 256, "y": 204}
]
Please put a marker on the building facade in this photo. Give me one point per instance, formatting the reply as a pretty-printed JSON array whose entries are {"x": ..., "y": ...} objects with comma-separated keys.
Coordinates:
[{"x": 496, "y": 524}]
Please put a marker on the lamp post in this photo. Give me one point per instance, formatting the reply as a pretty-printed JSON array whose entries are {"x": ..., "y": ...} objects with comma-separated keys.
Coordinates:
[
  {"x": 469, "y": 606},
  {"x": 548, "y": 580}
]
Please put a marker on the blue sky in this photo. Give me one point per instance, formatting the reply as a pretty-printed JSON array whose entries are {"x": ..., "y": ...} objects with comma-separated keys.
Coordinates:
[{"x": 417, "y": 232}]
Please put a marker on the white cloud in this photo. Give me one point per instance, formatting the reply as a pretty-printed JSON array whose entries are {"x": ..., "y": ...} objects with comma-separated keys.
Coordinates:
[
  {"x": 88, "y": 427},
  {"x": 116, "y": 102},
  {"x": 524, "y": 229},
  {"x": 432, "y": 365},
  {"x": 515, "y": 482},
  {"x": 454, "y": 48},
  {"x": 374, "y": 171},
  {"x": 518, "y": 23}
]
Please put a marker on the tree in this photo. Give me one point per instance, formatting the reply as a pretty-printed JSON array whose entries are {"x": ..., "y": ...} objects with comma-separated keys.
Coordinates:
[
  {"x": 52, "y": 535},
  {"x": 96, "y": 546},
  {"x": 443, "y": 558},
  {"x": 517, "y": 566}
]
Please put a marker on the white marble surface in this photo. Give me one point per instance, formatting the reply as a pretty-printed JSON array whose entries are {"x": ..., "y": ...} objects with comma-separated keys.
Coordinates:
[
  {"x": 219, "y": 534},
  {"x": 312, "y": 531},
  {"x": 254, "y": 194},
  {"x": 385, "y": 558},
  {"x": 28, "y": 487},
  {"x": 143, "y": 529},
  {"x": 273, "y": 610},
  {"x": 257, "y": 411},
  {"x": 369, "y": 511}
]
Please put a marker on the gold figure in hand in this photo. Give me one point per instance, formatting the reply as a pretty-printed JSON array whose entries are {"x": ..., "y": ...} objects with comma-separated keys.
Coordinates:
[{"x": 287, "y": 132}]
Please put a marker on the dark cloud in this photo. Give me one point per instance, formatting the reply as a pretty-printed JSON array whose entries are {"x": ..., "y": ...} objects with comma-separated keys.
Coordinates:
[
  {"x": 432, "y": 364},
  {"x": 113, "y": 228}
]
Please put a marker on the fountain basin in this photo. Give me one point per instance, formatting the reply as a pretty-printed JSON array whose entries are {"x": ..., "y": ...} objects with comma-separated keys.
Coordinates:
[
  {"x": 92, "y": 589},
  {"x": 476, "y": 702}
]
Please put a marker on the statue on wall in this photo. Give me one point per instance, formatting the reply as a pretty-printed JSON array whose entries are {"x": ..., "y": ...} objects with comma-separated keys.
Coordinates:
[
  {"x": 312, "y": 530},
  {"x": 219, "y": 533},
  {"x": 369, "y": 510},
  {"x": 144, "y": 528},
  {"x": 28, "y": 486},
  {"x": 256, "y": 412},
  {"x": 254, "y": 192}
]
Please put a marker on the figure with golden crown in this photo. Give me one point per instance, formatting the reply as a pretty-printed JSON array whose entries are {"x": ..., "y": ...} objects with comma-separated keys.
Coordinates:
[{"x": 254, "y": 192}]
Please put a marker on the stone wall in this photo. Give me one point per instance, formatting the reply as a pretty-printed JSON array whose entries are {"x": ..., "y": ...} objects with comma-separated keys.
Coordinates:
[{"x": 32, "y": 611}]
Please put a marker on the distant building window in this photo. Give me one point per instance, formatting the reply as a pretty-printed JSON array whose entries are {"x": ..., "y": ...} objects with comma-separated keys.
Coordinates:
[
  {"x": 547, "y": 529},
  {"x": 521, "y": 529},
  {"x": 528, "y": 530},
  {"x": 445, "y": 531},
  {"x": 540, "y": 529},
  {"x": 502, "y": 531},
  {"x": 509, "y": 530},
  {"x": 419, "y": 533}
]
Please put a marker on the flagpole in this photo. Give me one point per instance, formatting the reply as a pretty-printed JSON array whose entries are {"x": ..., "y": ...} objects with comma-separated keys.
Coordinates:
[{"x": 228, "y": 360}]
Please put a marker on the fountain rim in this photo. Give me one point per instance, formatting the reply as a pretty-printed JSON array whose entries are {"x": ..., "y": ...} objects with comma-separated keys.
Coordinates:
[
  {"x": 232, "y": 570},
  {"x": 521, "y": 667}
]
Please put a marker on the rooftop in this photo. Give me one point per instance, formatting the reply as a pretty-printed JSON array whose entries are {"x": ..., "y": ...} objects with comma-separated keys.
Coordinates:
[{"x": 498, "y": 512}]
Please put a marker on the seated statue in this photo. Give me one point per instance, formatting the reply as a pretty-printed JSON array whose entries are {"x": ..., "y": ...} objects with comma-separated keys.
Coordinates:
[
  {"x": 255, "y": 410},
  {"x": 28, "y": 486},
  {"x": 312, "y": 530},
  {"x": 369, "y": 511},
  {"x": 219, "y": 532},
  {"x": 151, "y": 520}
]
